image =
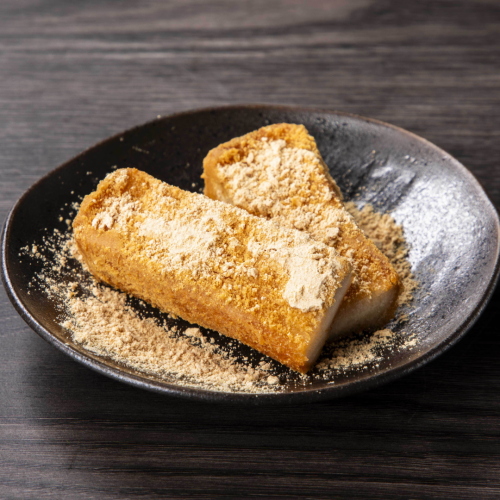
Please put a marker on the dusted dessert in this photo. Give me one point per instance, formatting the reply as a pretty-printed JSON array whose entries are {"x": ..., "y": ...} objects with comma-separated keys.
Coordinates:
[
  {"x": 277, "y": 173},
  {"x": 274, "y": 288}
]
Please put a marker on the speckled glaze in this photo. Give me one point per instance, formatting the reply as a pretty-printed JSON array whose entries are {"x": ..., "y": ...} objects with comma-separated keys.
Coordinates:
[{"x": 450, "y": 224}]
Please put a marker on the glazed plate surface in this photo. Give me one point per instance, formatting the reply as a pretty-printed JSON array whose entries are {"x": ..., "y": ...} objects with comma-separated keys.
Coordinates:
[{"x": 450, "y": 225}]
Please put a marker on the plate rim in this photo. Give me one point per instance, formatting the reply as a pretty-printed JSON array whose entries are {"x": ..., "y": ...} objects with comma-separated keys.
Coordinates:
[{"x": 202, "y": 394}]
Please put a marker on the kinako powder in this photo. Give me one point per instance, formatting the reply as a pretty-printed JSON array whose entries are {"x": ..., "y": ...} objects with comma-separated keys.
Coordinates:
[{"x": 103, "y": 321}]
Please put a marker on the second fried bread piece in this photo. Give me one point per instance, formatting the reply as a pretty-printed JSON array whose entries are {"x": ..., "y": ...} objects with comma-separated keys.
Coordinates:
[
  {"x": 275, "y": 289},
  {"x": 277, "y": 172}
]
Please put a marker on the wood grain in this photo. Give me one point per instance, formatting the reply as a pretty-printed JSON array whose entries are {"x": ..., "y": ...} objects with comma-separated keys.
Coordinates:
[{"x": 74, "y": 73}]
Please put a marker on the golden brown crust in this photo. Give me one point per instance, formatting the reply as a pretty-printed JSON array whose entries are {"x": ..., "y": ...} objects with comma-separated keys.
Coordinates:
[
  {"x": 307, "y": 189},
  {"x": 125, "y": 232}
]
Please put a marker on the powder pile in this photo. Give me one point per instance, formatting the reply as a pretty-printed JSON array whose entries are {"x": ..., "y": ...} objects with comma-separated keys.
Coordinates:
[
  {"x": 362, "y": 352},
  {"x": 309, "y": 272},
  {"x": 105, "y": 325}
]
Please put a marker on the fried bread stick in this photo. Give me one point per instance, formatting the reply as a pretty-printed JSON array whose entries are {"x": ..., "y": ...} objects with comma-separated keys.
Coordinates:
[
  {"x": 277, "y": 173},
  {"x": 274, "y": 289}
]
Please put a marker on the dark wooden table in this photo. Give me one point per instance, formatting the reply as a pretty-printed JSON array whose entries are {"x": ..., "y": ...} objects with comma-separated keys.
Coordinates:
[{"x": 72, "y": 73}]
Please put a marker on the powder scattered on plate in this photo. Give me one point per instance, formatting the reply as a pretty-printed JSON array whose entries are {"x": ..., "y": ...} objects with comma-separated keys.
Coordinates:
[{"x": 111, "y": 325}]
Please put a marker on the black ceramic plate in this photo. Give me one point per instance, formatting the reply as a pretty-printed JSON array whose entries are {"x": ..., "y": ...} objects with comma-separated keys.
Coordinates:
[{"x": 451, "y": 226}]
